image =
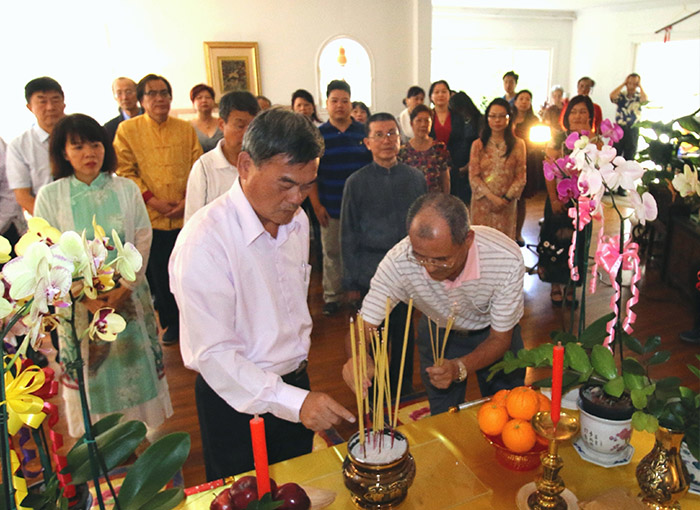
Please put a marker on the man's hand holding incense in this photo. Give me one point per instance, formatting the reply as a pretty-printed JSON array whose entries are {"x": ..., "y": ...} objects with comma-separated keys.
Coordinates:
[
  {"x": 442, "y": 376},
  {"x": 320, "y": 412}
]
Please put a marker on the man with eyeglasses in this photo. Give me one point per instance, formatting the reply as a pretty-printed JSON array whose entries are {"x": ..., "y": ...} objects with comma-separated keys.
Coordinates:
[
  {"x": 157, "y": 151},
  {"x": 124, "y": 92},
  {"x": 451, "y": 269},
  {"x": 376, "y": 200}
]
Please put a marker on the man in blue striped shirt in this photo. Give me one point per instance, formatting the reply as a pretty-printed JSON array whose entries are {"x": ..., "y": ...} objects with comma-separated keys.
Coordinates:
[{"x": 345, "y": 153}]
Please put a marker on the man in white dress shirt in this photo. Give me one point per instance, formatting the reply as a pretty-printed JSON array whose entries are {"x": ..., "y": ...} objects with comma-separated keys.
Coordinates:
[
  {"x": 240, "y": 275},
  {"x": 28, "y": 167},
  {"x": 215, "y": 171}
]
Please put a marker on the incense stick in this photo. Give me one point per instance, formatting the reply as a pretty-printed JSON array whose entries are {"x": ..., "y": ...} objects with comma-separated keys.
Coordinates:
[
  {"x": 403, "y": 361},
  {"x": 359, "y": 381},
  {"x": 450, "y": 322}
]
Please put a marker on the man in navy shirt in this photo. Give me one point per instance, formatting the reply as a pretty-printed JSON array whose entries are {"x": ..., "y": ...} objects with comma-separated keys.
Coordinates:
[{"x": 345, "y": 153}]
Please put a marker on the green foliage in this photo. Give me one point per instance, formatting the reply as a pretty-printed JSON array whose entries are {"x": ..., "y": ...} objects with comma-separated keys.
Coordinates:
[
  {"x": 603, "y": 362},
  {"x": 115, "y": 445},
  {"x": 152, "y": 470},
  {"x": 265, "y": 503},
  {"x": 595, "y": 333},
  {"x": 51, "y": 498}
]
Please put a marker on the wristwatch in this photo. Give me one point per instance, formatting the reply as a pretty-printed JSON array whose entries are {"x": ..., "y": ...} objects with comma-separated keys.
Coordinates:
[{"x": 462, "y": 376}]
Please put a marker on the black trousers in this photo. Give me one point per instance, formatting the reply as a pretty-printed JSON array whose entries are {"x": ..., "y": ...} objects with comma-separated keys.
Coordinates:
[
  {"x": 158, "y": 279},
  {"x": 226, "y": 441},
  {"x": 627, "y": 146}
]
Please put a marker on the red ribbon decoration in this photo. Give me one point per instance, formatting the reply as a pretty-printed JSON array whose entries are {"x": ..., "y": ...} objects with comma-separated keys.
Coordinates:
[
  {"x": 697, "y": 285},
  {"x": 46, "y": 392},
  {"x": 609, "y": 257}
]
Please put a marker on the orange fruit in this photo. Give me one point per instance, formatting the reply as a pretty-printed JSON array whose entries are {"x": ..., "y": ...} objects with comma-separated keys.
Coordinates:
[
  {"x": 518, "y": 435},
  {"x": 500, "y": 397},
  {"x": 522, "y": 402},
  {"x": 492, "y": 417},
  {"x": 545, "y": 403}
]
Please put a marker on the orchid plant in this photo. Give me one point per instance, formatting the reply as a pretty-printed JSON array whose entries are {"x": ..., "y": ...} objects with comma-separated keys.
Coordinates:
[{"x": 52, "y": 271}]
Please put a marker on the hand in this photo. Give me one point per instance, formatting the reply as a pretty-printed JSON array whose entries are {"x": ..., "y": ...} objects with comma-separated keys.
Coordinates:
[
  {"x": 116, "y": 298},
  {"x": 162, "y": 206},
  {"x": 349, "y": 377},
  {"x": 442, "y": 377},
  {"x": 178, "y": 211},
  {"x": 322, "y": 215},
  {"x": 320, "y": 412},
  {"x": 93, "y": 305},
  {"x": 464, "y": 170},
  {"x": 497, "y": 201}
]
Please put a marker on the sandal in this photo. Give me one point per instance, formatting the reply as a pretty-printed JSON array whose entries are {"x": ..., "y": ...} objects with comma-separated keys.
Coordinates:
[
  {"x": 571, "y": 298},
  {"x": 556, "y": 295}
]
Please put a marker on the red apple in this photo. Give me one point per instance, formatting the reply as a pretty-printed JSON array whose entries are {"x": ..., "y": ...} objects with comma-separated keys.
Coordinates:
[
  {"x": 294, "y": 497},
  {"x": 222, "y": 501},
  {"x": 250, "y": 482},
  {"x": 243, "y": 497}
]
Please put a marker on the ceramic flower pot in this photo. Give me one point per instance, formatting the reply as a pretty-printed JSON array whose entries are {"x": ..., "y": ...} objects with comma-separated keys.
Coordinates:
[
  {"x": 661, "y": 474},
  {"x": 606, "y": 422}
]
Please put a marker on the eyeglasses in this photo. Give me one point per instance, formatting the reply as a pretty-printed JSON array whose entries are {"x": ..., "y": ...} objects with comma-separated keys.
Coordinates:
[
  {"x": 427, "y": 261},
  {"x": 391, "y": 135},
  {"x": 162, "y": 93},
  {"x": 494, "y": 116}
]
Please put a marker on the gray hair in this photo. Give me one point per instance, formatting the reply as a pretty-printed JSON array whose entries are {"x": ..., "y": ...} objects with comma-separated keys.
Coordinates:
[
  {"x": 278, "y": 131},
  {"x": 449, "y": 208}
]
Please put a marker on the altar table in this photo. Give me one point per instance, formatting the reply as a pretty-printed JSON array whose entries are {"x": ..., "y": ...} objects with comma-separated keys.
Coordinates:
[{"x": 456, "y": 469}]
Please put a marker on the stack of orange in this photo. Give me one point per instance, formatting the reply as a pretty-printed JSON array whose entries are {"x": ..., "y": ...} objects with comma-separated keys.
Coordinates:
[{"x": 508, "y": 415}]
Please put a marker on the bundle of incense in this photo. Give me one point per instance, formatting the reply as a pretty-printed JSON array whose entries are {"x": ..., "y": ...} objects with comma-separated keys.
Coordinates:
[
  {"x": 381, "y": 386},
  {"x": 438, "y": 350}
]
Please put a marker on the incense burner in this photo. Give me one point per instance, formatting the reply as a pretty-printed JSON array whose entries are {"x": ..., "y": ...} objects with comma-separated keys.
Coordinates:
[{"x": 378, "y": 473}]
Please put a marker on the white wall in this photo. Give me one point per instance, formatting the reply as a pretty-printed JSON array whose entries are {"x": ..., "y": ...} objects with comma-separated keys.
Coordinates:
[
  {"x": 85, "y": 44},
  {"x": 504, "y": 28},
  {"x": 604, "y": 39}
]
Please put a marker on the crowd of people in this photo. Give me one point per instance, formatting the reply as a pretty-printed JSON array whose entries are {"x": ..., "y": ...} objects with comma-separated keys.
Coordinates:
[{"x": 427, "y": 205}]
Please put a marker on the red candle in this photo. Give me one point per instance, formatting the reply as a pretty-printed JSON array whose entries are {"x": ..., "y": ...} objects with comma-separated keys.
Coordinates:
[
  {"x": 557, "y": 371},
  {"x": 257, "y": 434}
]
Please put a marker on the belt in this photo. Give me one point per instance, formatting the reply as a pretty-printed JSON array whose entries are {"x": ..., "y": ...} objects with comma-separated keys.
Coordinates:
[
  {"x": 300, "y": 369},
  {"x": 476, "y": 332}
]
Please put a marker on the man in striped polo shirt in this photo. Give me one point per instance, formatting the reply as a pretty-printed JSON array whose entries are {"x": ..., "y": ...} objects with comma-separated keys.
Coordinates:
[
  {"x": 474, "y": 274},
  {"x": 345, "y": 153}
]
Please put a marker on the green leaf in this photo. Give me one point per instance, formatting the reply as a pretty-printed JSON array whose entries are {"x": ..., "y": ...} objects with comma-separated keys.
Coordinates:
[
  {"x": 659, "y": 357},
  {"x": 543, "y": 383},
  {"x": 563, "y": 336},
  {"x": 603, "y": 362},
  {"x": 652, "y": 343},
  {"x": 652, "y": 424},
  {"x": 639, "y": 399},
  {"x": 689, "y": 123},
  {"x": 633, "y": 381},
  {"x": 165, "y": 500},
  {"x": 115, "y": 445},
  {"x": 632, "y": 366},
  {"x": 595, "y": 333},
  {"x": 639, "y": 420},
  {"x": 265, "y": 503},
  {"x": 694, "y": 370},
  {"x": 153, "y": 469},
  {"x": 668, "y": 383},
  {"x": 101, "y": 427},
  {"x": 543, "y": 355},
  {"x": 633, "y": 344},
  {"x": 614, "y": 387},
  {"x": 576, "y": 357}
]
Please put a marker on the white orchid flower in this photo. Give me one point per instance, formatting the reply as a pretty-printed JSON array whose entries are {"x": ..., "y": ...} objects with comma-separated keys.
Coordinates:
[
  {"x": 621, "y": 173},
  {"x": 687, "y": 183},
  {"x": 645, "y": 208},
  {"x": 106, "y": 325},
  {"x": 590, "y": 182},
  {"x": 129, "y": 259},
  {"x": 23, "y": 273},
  {"x": 5, "y": 249},
  {"x": 5, "y": 308},
  {"x": 605, "y": 155}
]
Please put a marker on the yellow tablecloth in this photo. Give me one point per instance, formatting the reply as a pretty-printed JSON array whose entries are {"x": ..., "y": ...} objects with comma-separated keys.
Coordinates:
[{"x": 456, "y": 469}]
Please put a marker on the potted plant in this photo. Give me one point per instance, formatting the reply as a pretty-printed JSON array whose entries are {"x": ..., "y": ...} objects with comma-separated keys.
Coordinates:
[{"x": 44, "y": 275}]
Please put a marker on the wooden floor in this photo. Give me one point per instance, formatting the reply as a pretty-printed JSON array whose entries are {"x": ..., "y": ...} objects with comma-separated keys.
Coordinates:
[{"x": 661, "y": 310}]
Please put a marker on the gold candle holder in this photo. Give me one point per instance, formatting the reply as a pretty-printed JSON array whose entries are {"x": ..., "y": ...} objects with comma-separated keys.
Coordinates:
[{"x": 550, "y": 485}]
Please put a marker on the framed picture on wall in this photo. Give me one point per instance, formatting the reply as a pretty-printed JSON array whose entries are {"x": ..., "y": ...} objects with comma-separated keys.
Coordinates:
[{"x": 233, "y": 66}]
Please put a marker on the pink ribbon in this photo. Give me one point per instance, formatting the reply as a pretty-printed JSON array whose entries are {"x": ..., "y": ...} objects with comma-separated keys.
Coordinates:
[
  {"x": 580, "y": 217},
  {"x": 609, "y": 257}
]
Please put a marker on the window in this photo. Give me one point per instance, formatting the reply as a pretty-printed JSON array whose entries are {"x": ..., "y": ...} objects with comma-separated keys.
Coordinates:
[{"x": 356, "y": 70}]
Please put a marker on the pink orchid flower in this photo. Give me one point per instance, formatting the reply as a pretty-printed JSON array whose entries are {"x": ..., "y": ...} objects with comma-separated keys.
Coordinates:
[
  {"x": 645, "y": 208},
  {"x": 611, "y": 130},
  {"x": 621, "y": 173},
  {"x": 568, "y": 189}
]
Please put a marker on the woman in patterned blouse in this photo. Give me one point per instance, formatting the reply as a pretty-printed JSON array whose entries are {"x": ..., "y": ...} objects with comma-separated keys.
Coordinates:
[{"x": 425, "y": 154}]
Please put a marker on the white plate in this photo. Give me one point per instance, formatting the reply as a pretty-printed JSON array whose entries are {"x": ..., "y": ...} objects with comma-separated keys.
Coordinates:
[
  {"x": 527, "y": 489},
  {"x": 606, "y": 461}
]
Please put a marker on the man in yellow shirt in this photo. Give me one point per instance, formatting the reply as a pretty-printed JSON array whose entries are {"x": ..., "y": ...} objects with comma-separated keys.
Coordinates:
[{"x": 157, "y": 151}]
